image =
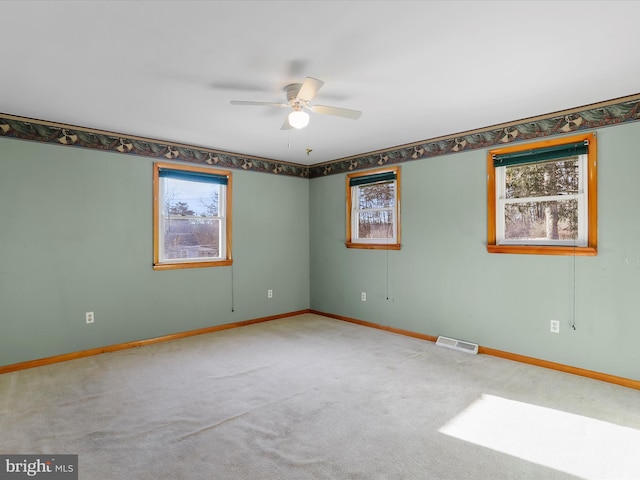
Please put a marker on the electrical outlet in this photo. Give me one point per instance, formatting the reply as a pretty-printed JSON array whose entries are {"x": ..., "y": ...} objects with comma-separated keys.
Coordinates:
[
  {"x": 269, "y": 293},
  {"x": 555, "y": 326},
  {"x": 364, "y": 296},
  {"x": 89, "y": 317}
]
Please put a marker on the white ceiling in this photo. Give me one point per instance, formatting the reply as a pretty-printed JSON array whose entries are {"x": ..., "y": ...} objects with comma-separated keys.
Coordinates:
[{"x": 167, "y": 70}]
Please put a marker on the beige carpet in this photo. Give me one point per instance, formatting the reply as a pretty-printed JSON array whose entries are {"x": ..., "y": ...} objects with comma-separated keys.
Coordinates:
[{"x": 310, "y": 397}]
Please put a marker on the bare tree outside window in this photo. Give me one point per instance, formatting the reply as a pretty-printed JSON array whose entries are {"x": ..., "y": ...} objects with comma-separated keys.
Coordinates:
[
  {"x": 536, "y": 216},
  {"x": 376, "y": 204},
  {"x": 212, "y": 203}
]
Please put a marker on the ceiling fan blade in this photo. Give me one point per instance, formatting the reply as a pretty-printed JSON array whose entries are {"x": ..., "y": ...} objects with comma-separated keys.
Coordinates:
[
  {"x": 338, "y": 112},
  {"x": 309, "y": 88},
  {"x": 263, "y": 104}
]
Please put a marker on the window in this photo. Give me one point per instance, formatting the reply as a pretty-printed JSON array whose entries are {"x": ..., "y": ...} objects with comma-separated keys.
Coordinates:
[
  {"x": 192, "y": 217},
  {"x": 373, "y": 209},
  {"x": 542, "y": 198}
]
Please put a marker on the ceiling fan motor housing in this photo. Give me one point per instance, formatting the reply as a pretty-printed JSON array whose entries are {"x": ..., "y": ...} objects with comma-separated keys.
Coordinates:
[{"x": 291, "y": 91}]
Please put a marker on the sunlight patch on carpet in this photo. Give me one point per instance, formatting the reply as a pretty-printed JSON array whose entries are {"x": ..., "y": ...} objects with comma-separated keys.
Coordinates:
[{"x": 575, "y": 444}]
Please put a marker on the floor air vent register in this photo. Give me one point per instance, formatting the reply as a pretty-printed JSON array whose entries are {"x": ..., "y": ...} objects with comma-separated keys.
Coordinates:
[{"x": 457, "y": 345}]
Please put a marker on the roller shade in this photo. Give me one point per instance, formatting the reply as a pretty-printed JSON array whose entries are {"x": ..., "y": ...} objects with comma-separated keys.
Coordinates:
[
  {"x": 540, "y": 154},
  {"x": 374, "y": 178},
  {"x": 193, "y": 176}
]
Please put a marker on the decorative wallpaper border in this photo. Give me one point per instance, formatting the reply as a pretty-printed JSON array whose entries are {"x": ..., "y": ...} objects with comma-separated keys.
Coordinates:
[
  {"x": 60, "y": 134},
  {"x": 598, "y": 115},
  {"x": 603, "y": 114}
]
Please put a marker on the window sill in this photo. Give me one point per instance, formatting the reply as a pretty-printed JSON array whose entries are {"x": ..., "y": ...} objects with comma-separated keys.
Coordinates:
[
  {"x": 177, "y": 266},
  {"x": 374, "y": 246},
  {"x": 544, "y": 250}
]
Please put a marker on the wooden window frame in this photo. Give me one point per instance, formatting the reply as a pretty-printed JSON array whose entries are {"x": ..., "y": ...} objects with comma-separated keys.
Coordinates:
[
  {"x": 157, "y": 210},
  {"x": 592, "y": 201},
  {"x": 369, "y": 245}
]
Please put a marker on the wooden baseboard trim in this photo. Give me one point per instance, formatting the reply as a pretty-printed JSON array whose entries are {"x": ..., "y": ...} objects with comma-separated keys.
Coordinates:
[
  {"x": 603, "y": 377},
  {"x": 386, "y": 328},
  {"x": 140, "y": 343}
]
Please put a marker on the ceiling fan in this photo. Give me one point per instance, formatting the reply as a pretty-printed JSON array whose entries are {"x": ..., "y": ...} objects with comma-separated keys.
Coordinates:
[{"x": 298, "y": 97}]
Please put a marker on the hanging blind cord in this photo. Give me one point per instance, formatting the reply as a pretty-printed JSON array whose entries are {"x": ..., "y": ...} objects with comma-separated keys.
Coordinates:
[
  {"x": 233, "y": 305},
  {"x": 573, "y": 322}
]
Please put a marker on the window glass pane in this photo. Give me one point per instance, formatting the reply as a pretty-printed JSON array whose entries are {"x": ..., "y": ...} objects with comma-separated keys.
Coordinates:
[
  {"x": 543, "y": 179},
  {"x": 191, "y": 223},
  {"x": 378, "y": 195},
  {"x": 375, "y": 224},
  {"x": 541, "y": 220}
]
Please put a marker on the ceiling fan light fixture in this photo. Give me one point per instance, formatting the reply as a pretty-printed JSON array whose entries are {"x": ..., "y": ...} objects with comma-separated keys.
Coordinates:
[
  {"x": 298, "y": 97},
  {"x": 298, "y": 119}
]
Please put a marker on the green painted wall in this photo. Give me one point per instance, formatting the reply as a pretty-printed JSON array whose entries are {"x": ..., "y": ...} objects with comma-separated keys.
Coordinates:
[
  {"x": 76, "y": 236},
  {"x": 443, "y": 281}
]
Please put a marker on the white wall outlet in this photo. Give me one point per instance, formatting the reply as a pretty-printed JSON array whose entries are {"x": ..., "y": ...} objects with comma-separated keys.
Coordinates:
[
  {"x": 364, "y": 296},
  {"x": 89, "y": 317},
  {"x": 269, "y": 293},
  {"x": 555, "y": 326}
]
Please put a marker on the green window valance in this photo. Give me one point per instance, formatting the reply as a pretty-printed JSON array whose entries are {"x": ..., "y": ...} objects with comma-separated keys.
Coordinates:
[
  {"x": 201, "y": 177},
  {"x": 373, "y": 178},
  {"x": 540, "y": 154}
]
